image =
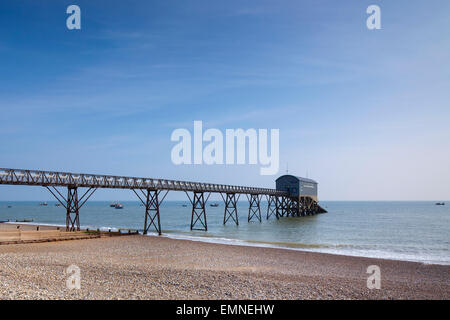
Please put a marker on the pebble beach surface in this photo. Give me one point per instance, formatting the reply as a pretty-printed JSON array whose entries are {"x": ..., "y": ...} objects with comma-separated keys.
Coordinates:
[{"x": 150, "y": 267}]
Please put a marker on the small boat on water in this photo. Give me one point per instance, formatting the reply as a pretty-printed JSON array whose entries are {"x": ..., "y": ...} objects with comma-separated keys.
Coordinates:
[
  {"x": 113, "y": 204},
  {"x": 214, "y": 204},
  {"x": 440, "y": 203},
  {"x": 118, "y": 206},
  {"x": 43, "y": 203},
  {"x": 9, "y": 206},
  {"x": 184, "y": 205},
  {"x": 57, "y": 204}
]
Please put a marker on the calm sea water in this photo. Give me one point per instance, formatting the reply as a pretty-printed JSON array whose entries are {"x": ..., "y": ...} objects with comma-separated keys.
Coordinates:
[{"x": 415, "y": 231}]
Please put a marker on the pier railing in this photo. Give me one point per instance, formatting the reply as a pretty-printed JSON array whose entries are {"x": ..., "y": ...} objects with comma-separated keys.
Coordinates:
[{"x": 66, "y": 179}]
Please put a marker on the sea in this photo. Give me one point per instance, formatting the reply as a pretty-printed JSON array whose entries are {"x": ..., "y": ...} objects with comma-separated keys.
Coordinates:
[{"x": 399, "y": 230}]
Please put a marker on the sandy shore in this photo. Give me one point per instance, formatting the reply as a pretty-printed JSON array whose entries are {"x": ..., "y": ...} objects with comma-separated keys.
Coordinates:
[
  {"x": 143, "y": 267},
  {"x": 26, "y": 226}
]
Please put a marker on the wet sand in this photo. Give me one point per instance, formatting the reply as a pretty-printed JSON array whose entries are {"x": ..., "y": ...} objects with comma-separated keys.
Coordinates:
[
  {"x": 148, "y": 267},
  {"x": 26, "y": 226}
]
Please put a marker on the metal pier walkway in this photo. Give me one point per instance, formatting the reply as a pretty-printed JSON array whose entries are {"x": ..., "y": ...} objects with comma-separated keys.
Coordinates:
[{"x": 148, "y": 191}]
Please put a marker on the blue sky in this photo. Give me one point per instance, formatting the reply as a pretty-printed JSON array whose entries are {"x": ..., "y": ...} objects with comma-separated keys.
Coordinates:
[{"x": 365, "y": 113}]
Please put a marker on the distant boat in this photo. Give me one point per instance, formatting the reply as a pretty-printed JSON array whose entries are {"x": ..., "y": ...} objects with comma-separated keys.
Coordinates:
[
  {"x": 113, "y": 204},
  {"x": 57, "y": 204},
  {"x": 184, "y": 205},
  {"x": 440, "y": 203},
  {"x": 25, "y": 220},
  {"x": 214, "y": 204},
  {"x": 9, "y": 206},
  {"x": 43, "y": 203},
  {"x": 118, "y": 206}
]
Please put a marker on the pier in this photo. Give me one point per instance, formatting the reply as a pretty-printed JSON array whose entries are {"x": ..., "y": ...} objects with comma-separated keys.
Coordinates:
[{"x": 283, "y": 201}]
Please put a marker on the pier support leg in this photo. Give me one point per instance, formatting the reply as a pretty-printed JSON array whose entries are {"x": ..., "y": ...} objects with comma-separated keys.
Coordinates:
[
  {"x": 308, "y": 206},
  {"x": 72, "y": 204},
  {"x": 254, "y": 209},
  {"x": 284, "y": 206},
  {"x": 311, "y": 206},
  {"x": 302, "y": 207},
  {"x": 151, "y": 203},
  {"x": 152, "y": 212},
  {"x": 297, "y": 207},
  {"x": 230, "y": 208},
  {"x": 72, "y": 210},
  {"x": 293, "y": 207},
  {"x": 271, "y": 206},
  {"x": 199, "y": 211},
  {"x": 288, "y": 206},
  {"x": 315, "y": 207},
  {"x": 278, "y": 206}
]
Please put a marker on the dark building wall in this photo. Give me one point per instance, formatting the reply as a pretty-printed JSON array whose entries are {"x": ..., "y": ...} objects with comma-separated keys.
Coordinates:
[
  {"x": 290, "y": 184},
  {"x": 297, "y": 186}
]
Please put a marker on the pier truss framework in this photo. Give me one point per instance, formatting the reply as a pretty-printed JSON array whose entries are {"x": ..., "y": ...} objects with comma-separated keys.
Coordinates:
[{"x": 148, "y": 191}]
